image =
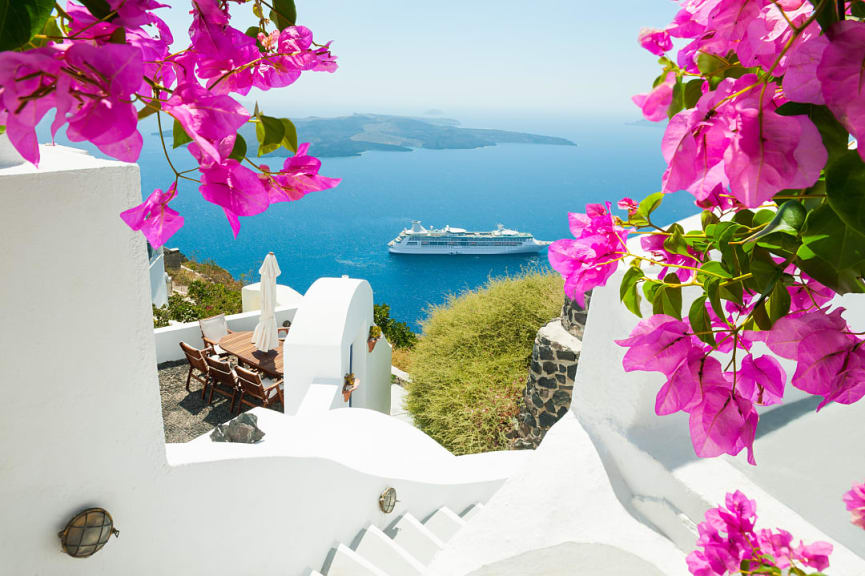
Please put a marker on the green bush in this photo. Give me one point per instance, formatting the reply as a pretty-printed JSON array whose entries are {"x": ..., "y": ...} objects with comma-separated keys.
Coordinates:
[
  {"x": 397, "y": 333},
  {"x": 469, "y": 367},
  {"x": 203, "y": 299}
]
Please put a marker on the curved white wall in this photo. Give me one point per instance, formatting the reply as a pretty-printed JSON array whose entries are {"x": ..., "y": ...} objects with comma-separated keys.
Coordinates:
[
  {"x": 82, "y": 422},
  {"x": 328, "y": 338}
]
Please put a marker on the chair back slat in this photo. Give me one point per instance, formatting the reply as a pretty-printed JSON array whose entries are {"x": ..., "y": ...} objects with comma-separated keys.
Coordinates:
[
  {"x": 214, "y": 328},
  {"x": 221, "y": 372},
  {"x": 194, "y": 356},
  {"x": 250, "y": 382}
]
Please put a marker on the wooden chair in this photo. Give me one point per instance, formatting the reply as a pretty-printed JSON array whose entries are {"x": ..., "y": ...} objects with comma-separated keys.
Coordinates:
[
  {"x": 265, "y": 391},
  {"x": 197, "y": 366},
  {"x": 213, "y": 329},
  {"x": 223, "y": 380}
]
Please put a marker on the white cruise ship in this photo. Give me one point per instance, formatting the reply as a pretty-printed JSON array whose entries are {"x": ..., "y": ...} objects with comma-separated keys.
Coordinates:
[{"x": 447, "y": 240}]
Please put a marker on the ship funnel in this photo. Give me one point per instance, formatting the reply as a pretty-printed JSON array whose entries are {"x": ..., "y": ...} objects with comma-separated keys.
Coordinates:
[{"x": 416, "y": 227}]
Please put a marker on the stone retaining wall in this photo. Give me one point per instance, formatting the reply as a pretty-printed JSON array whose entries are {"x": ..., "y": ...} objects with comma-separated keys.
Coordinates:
[{"x": 550, "y": 385}]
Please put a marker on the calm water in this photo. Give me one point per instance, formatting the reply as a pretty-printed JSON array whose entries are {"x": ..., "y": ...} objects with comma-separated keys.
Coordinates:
[{"x": 346, "y": 230}]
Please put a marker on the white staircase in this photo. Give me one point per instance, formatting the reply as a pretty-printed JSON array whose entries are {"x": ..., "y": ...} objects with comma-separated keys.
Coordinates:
[{"x": 404, "y": 549}]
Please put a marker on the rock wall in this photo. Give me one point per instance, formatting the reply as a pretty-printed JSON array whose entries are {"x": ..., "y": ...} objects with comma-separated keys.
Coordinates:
[{"x": 550, "y": 384}]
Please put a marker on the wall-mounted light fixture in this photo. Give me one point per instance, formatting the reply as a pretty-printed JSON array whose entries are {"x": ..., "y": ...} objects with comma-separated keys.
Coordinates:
[
  {"x": 387, "y": 500},
  {"x": 87, "y": 532}
]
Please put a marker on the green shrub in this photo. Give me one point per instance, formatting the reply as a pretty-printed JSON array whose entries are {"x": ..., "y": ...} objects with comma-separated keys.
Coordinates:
[
  {"x": 202, "y": 299},
  {"x": 469, "y": 367},
  {"x": 397, "y": 333}
]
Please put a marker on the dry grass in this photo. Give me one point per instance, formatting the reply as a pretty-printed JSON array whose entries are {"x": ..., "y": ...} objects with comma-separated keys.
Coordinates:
[
  {"x": 469, "y": 367},
  {"x": 401, "y": 358}
]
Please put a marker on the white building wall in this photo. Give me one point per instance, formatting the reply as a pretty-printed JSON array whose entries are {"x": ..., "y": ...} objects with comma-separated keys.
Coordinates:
[
  {"x": 286, "y": 297},
  {"x": 82, "y": 422},
  {"x": 158, "y": 281},
  {"x": 328, "y": 339}
]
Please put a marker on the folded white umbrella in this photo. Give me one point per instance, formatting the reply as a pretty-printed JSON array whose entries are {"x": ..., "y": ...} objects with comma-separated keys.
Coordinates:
[{"x": 266, "y": 337}]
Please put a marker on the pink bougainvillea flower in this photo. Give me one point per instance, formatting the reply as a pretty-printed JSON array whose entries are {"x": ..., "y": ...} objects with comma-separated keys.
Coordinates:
[
  {"x": 723, "y": 423},
  {"x": 788, "y": 332},
  {"x": 769, "y": 152},
  {"x": 234, "y": 187},
  {"x": 154, "y": 218},
  {"x": 831, "y": 364},
  {"x": 211, "y": 120},
  {"x": 593, "y": 256},
  {"x": 654, "y": 245},
  {"x": 854, "y": 500},
  {"x": 655, "y": 104},
  {"x": 685, "y": 387},
  {"x": 22, "y": 74},
  {"x": 801, "y": 83},
  {"x": 628, "y": 205},
  {"x": 655, "y": 41},
  {"x": 761, "y": 380},
  {"x": 299, "y": 176},
  {"x": 109, "y": 75},
  {"x": 779, "y": 545},
  {"x": 840, "y": 76},
  {"x": 815, "y": 555},
  {"x": 659, "y": 343}
]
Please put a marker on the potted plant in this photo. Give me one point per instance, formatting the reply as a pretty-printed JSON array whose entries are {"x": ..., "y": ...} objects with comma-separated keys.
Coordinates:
[
  {"x": 374, "y": 335},
  {"x": 349, "y": 385}
]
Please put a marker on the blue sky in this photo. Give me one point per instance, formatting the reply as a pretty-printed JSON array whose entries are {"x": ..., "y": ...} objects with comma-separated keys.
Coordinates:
[{"x": 543, "y": 58}]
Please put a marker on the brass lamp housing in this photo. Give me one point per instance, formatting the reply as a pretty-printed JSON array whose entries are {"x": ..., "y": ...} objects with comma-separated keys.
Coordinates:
[
  {"x": 387, "y": 500},
  {"x": 87, "y": 532}
]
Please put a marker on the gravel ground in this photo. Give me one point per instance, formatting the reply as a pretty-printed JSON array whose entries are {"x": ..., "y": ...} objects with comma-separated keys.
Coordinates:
[{"x": 184, "y": 414}]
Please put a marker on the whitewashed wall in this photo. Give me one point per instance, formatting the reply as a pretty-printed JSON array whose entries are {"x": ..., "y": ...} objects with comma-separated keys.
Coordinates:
[
  {"x": 158, "y": 281},
  {"x": 652, "y": 464},
  {"x": 328, "y": 339},
  {"x": 82, "y": 422},
  {"x": 286, "y": 297}
]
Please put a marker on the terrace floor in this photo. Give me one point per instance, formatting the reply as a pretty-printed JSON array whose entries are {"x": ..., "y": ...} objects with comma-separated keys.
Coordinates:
[{"x": 186, "y": 416}]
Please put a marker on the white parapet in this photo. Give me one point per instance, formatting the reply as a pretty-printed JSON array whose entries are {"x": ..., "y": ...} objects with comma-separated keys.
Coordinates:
[
  {"x": 82, "y": 423},
  {"x": 286, "y": 296}
]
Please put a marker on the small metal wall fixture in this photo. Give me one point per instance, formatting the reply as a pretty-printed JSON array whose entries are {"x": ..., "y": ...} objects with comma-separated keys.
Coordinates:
[
  {"x": 387, "y": 500},
  {"x": 87, "y": 532}
]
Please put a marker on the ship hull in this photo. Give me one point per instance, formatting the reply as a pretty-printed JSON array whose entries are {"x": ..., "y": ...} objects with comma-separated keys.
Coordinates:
[{"x": 470, "y": 250}]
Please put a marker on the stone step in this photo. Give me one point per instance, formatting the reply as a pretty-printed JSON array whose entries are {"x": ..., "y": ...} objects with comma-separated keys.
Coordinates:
[
  {"x": 471, "y": 511},
  {"x": 347, "y": 562},
  {"x": 415, "y": 538},
  {"x": 315, "y": 573},
  {"x": 444, "y": 523},
  {"x": 387, "y": 555}
]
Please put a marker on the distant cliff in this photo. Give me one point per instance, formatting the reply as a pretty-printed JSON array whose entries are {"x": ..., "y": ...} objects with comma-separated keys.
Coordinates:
[{"x": 352, "y": 135}]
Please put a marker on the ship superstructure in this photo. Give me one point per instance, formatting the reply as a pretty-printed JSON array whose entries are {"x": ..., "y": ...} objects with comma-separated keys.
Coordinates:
[{"x": 448, "y": 240}]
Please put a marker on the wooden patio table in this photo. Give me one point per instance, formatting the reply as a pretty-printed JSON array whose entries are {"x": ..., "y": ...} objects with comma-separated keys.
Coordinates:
[{"x": 240, "y": 344}]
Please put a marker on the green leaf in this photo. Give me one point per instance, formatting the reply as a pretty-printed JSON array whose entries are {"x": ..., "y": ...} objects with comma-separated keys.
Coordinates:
[
  {"x": 628, "y": 293},
  {"x": 2, "y": 129},
  {"x": 832, "y": 252},
  {"x": 675, "y": 242},
  {"x": 712, "y": 269},
  {"x": 239, "y": 151},
  {"x": 270, "y": 131},
  {"x": 826, "y": 13},
  {"x": 845, "y": 186},
  {"x": 713, "y": 291},
  {"x": 761, "y": 318},
  {"x": 151, "y": 108},
  {"x": 700, "y": 322},
  {"x": 289, "y": 140},
  {"x": 779, "y": 302},
  {"x": 710, "y": 64},
  {"x": 284, "y": 13},
  {"x": 707, "y": 218},
  {"x": 99, "y": 8},
  {"x": 668, "y": 299},
  {"x": 649, "y": 204},
  {"x": 858, "y": 9},
  {"x": 678, "y": 101},
  {"x": 21, "y": 19},
  {"x": 179, "y": 135},
  {"x": 788, "y": 220},
  {"x": 650, "y": 289},
  {"x": 693, "y": 91}
]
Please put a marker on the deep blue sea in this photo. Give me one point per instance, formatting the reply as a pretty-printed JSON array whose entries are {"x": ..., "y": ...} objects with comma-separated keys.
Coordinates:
[{"x": 346, "y": 230}]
